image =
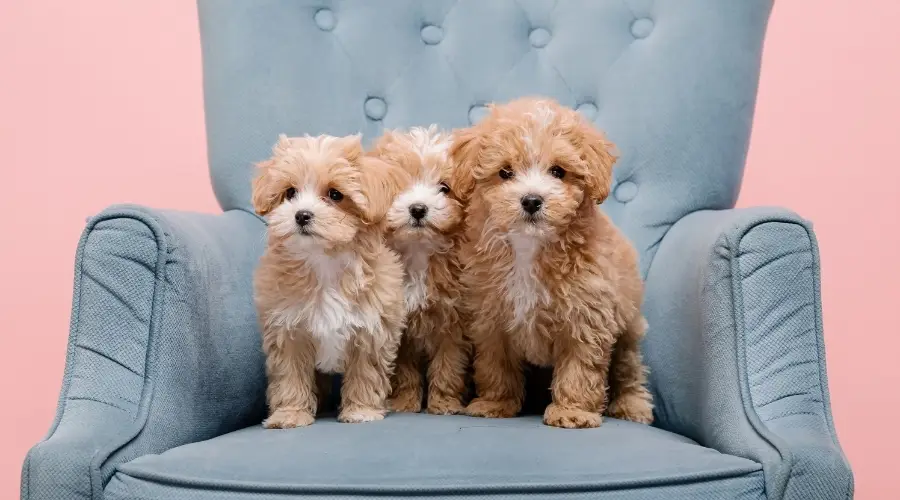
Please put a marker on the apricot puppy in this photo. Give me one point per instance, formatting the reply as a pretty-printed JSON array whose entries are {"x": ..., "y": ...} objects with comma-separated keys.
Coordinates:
[
  {"x": 329, "y": 292},
  {"x": 424, "y": 227},
  {"x": 549, "y": 278}
]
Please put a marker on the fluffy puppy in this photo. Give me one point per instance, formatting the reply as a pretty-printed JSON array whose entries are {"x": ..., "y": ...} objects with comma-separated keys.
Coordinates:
[
  {"x": 550, "y": 279},
  {"x": 329, "y": 292},
  {"x": 424, "y": 227}
]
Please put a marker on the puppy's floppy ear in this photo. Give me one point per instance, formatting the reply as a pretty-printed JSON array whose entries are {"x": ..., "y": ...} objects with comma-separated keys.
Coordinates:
[
  {"x": 387, "y": 139},
  {"x": 465, "y": 145},
  {"x": 390, "y": 149},
  {"x": 600, "y": 155},
  {"x": 265, "y": 194},
  {"x": 351, "y": 147},
  {"x": 380, "y": 182}
]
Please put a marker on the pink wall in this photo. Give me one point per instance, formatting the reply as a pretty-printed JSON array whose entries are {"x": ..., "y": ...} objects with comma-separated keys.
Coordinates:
[
  {"x": 101, "y": 100},
  {"x": 825, "y": 143}
]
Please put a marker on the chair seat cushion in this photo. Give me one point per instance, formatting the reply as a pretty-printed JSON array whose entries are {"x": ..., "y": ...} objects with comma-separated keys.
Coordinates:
[{"x": 423, "y": 455}]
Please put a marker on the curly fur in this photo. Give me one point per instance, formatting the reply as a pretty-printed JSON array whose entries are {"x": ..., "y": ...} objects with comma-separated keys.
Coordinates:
[
  {"x": 429, "y": 249},
  {"x": 558, "y": 288},
  {"x": 329, "y": 294}
]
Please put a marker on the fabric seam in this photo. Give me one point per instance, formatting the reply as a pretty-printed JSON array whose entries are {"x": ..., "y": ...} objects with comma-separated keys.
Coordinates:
[
  {"x": 431, "y": 490},
  {"x": 102, "y": 454},
  {"x": 775, "y": 440},
  {"x": 823, "y": 383},
  {"x": 820, "y": 351},
  {"x": 741, "y": 345}
]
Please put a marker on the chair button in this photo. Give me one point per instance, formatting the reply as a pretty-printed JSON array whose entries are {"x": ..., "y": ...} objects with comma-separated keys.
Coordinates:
[
  {"x": 539, "y": 38},
  {"x": 626, "y": 191},
  {"x": 432, "y": 35},
  {"x": 642, "y": 27},
  {"x": 324, "y": 19},
  {"x": 375, "y": 108},
  {"x": 477, "y": 113},
  {"x": 588, "y": 110}
]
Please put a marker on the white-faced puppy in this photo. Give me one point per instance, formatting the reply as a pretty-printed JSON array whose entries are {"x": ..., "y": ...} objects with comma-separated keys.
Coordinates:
[
  {"x": 328, "y": 290},
  {"x": 424, "y": 227},
  {"x": 549, "y": 278}
]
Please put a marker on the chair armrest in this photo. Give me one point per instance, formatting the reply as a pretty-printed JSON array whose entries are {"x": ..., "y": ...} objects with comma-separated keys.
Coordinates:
[
  {"x": 736, "y": 349},
  {"x": 163, "y": 348}
]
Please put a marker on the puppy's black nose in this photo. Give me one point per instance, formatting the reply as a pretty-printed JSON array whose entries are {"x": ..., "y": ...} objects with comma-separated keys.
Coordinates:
[
  {"x": 303, "y": 217},
  {"x": 532, "y": 203},
  {"x": 418, "y": 210}
]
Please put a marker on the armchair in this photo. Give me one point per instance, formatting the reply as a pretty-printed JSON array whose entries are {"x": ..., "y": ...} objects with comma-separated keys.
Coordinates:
[{"x": 164, "y": 385}]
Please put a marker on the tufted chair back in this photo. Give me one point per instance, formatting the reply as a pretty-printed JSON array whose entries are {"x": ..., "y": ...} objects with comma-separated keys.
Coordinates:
[{"x": 672, "y": 83}]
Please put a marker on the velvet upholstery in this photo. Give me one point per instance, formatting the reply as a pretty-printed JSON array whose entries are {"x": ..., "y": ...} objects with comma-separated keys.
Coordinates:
[{"x": 164, "y": 384}]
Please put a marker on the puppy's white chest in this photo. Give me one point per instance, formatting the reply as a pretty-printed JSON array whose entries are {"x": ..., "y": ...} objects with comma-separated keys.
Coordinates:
[
  {"x": 523, "y": 288},
  {"x": 328, "y": 315},
  {"x": 332, "y": 323},
  {"x": 416, "y": 286}
]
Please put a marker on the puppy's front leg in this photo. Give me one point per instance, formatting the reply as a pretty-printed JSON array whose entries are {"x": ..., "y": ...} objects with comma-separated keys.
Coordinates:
[
  {"x": 499, "y": 376},
  {"x": 447, "y": 374},
  {"x": 291, "y": 371},
  {"x": 579, "y": 384},
  {"x": 367, "y": 378},
  {"x": 629, "y": 398},
  {"x": 406, "y": 395}
]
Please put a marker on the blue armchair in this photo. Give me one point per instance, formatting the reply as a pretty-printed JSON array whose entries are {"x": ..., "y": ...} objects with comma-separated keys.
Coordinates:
[{"x": 164, "y": 384}]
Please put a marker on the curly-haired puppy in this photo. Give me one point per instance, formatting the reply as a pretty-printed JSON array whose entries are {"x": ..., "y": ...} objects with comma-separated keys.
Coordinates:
[
  {"x": 550, "y": 279},
  {"x": 329, "y": 292},
  {"x": 424, "y": 226}
]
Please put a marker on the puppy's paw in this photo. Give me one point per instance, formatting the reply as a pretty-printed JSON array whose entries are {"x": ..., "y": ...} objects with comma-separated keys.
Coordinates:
[
  {"x": 288, "y": 419},
  {"x": 444, "y": 406},
  {"x": 634, "y": 406},
  {"x": 358, "y": 415},
  {"x": 567, "y": 418},
  {"x": 405, "y": 403},
  {"x": 492, "y": 409}
]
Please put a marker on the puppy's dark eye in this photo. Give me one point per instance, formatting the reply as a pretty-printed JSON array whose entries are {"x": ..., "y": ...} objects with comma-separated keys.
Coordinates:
[
  {"x": 444, "y": 188},
  {"x": 290, "y": 193},
  {"x": 506, "y": 174},
  {"x": 557, "y": 171},
  {"x": 335, "y": 195}
]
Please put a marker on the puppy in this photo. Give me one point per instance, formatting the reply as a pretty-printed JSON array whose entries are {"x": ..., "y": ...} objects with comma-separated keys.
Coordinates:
[
  {"x": 550, "y": 280},
  {"x": 329, "y": 292},
  {"x": 424, "y": 227}
]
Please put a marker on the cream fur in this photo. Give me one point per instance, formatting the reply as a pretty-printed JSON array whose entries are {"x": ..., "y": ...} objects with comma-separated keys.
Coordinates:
[
  {"x": 559, "y": 287},
  {"x": 430, "y": 252},
  {"x": 329, "y": 294},
  {"x": 523, "y": 288}
]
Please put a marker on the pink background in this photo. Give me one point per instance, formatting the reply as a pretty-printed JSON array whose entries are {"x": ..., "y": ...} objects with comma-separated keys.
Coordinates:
[{"x": 101, "y": 102}]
